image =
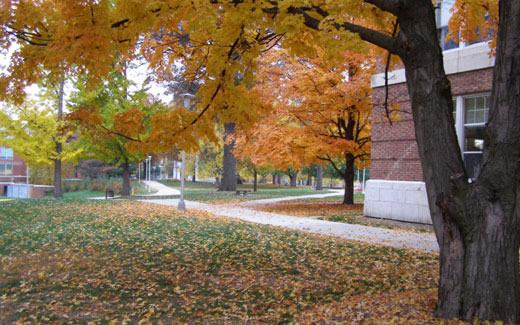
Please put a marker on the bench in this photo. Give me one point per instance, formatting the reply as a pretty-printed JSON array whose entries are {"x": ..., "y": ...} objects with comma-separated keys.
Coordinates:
[
  {"x": 109, "y": 193},
  {"x": 243, "y": 192}
]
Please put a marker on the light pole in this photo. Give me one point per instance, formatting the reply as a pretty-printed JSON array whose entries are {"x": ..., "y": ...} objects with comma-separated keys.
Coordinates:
[
  {"x": 149, "y": 171},
  {"x": 187, "y": 103},
  {"x": 182, "y": 205}
]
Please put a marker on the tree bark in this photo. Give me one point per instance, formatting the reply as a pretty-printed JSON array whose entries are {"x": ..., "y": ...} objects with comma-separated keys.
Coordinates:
[
  {"x": 229, "y": 174},
  {"x": 477, "y": 223},
  {"x": 293, "y": 177},
  {"x": 126, "y": 180},
  {"x": 274, "y": 179},
  {"x": 309, "y": 179},
  {"x": 255, "y": 180},
  {"x": 319, "y": 178},
  {"x": 348, "y": 177},
  {"x": 58, "y": 190}
]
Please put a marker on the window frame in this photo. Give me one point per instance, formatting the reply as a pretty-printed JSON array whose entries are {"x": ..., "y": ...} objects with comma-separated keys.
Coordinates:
[{"x": 460, "y": 124}]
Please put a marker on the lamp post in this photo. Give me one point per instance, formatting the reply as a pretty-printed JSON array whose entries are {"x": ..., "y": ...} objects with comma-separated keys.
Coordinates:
[
  {"x": 182, "y": 205},
  {"x": 187, "y": 103},
  {"x": 149, "y": 171}
]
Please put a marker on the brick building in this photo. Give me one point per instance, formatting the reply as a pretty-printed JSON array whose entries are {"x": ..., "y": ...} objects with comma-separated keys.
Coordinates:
[
  {"x": 12, "y": 168},
  {"x": 396, "y": 189}
]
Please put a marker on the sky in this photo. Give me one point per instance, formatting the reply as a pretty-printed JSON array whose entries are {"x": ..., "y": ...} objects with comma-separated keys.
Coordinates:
[{"x": 137, "y": 74}]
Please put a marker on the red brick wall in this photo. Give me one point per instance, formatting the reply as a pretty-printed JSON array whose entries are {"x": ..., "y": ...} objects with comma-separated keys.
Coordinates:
[
  {"x": 19, "y": 171},
  {"x": 394, "y": 149}
]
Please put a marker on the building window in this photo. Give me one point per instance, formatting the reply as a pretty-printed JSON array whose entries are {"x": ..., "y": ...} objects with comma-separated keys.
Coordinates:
[
  {"x": 6, "y": 153},
  {"x": 472, "y": 116},
  {"x": 6, "y": 169}
]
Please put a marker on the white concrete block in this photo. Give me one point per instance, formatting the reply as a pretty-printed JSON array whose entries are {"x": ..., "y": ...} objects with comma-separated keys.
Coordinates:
[
  {"x": 424, "y": 215},
  {"x": 378, "y": 209},
  {"x": 397, "y": 200},
  {"x": 416, "y": 197},
  {"x": 391, "y": 195},
  {"x": 468, "y": 58},
  {"x": 404, "y": 212},
  {"x": 380, "y": 183},
  {"x": 371, "y": 193}
]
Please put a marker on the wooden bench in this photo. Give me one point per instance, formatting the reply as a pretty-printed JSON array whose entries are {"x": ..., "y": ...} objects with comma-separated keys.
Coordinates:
[{"x": 243, "y": 192}]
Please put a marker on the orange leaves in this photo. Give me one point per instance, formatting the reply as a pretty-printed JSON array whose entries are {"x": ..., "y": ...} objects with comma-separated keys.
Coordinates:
[
  {"x": 129, "y": 122},
  {"x": 474, "y": 20},
  {"x": 314, "y": 107}
]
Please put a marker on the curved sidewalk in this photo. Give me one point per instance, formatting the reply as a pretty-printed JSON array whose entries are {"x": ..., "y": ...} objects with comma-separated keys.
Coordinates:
[{"x": 372, "y": 235}]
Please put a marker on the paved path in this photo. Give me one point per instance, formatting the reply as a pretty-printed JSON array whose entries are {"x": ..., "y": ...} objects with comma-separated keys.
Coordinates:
[
  {"x": 372, "y": 235},
  {"x": 319, "y": 195},
  {"x": 161, "y": 189}
]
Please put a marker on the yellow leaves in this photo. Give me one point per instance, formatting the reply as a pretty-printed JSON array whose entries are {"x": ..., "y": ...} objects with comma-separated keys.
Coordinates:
[{"x": 131, "y": 261}]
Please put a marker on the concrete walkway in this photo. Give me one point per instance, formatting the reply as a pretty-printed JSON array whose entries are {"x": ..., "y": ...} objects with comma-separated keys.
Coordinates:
[
  {"x": 161, "y": 189},
  {"x": 318, "y": 195},
  {"x": 372, "y": 235}
]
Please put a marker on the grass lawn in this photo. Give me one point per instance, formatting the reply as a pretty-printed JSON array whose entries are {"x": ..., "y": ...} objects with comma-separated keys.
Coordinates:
[
  {"x": 206, "y": 192},
  {"x": 79, "y": 261},
  {"x": 82, "y": 195}
]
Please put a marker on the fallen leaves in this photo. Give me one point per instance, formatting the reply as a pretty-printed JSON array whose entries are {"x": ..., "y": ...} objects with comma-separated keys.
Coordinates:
[
  {"x": 130, "y": 261},
  {"x": 337, "y": 212}
]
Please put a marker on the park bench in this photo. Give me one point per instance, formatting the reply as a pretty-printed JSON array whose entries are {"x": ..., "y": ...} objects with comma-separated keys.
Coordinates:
[
  {"x": 109, "y": 193},
  {"x": 243, "y": 192}
]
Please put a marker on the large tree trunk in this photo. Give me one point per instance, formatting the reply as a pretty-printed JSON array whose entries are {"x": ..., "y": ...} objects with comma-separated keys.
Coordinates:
[
  {"x": 348, "y": 177},
  {"x": 309, "y": 179},
  {"x": 58, "y": 190},
  {"x": 126, "y": 180},
  {"x": 293, "y": 177},
  {"x": 477, "y": 223},
  {"x": 319, "y": 178},
  {"x": 229, "y": 175},
  {"x": 274, "y": 179}
]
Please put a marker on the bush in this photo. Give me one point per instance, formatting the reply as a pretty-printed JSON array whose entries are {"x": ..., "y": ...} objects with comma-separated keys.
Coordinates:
[{"x": 93, "y": 185}]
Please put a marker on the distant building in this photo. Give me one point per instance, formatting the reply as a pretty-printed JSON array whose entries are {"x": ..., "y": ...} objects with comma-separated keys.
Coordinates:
[
  {"x": 396, "y": 189},
  {"x": 12, "y": 168}
]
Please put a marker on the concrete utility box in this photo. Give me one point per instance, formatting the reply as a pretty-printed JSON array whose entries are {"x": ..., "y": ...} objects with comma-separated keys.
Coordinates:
[{"x": 24, "y": 191}]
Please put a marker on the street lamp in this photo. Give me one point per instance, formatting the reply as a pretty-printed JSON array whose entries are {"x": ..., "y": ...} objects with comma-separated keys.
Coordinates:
[
  {"x": 182, "y": 205},
  {"x": 187, "y": 103},
  {"x": 149, "y": 171}
]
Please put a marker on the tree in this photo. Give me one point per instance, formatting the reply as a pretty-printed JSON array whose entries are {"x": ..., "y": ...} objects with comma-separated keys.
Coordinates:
[
  {"x": 36, "y": 133},
  {"x": 327, "y": 110},
  {"x": 112, "y": 122},
  {"x": 229, "y": 163},
  {"x": 476, "y": 221}
]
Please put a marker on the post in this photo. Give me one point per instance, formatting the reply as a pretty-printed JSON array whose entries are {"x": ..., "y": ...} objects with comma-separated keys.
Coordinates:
[
  {"x": 363, "y": 184},
  {"x": 182, "y": 205},
  {"x": 149, "y": 168}
]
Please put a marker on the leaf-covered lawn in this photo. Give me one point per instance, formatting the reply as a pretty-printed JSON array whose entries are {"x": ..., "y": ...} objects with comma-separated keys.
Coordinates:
[
  {"x": 326, "y": 209},
  {"x": 206, "y": 192},
  {"x": 99, "y": 261}
]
